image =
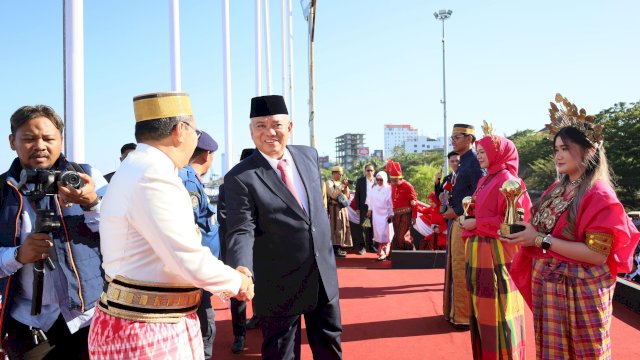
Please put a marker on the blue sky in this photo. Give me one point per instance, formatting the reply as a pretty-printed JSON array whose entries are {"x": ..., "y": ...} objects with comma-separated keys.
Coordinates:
[{"x": 377, "y": 62}]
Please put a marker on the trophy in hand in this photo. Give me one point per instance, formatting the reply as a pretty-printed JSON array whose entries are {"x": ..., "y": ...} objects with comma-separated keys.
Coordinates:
[
  {"x": 512, "y": 191},
  {"x": 468, "y": 205}
]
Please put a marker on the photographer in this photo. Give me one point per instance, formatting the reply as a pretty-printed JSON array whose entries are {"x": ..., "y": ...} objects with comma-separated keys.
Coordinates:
[{"x": 70, "y": 290}]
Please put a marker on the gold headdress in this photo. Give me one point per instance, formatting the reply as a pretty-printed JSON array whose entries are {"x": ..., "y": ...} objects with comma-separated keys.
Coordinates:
[
  {"x": 569, "y": 115},
  {"x": 487, "y": 129}
]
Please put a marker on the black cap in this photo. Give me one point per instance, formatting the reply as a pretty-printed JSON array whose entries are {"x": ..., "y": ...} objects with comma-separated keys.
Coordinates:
[
  {"x": 246, "y": 153},
  {"x": 268, "y": 105},
  {"x": 206, "y": 142}
]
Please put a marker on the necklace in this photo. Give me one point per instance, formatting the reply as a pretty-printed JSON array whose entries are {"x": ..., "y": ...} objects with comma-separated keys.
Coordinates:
[{"x": 576, "y": 182}]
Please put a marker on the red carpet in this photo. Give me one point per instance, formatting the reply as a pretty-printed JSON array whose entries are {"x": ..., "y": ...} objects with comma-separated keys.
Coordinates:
[{"x": 397, "y": 314}]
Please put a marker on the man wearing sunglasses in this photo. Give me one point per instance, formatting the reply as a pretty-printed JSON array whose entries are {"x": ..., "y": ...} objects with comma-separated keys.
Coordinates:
[
  {"x": 456, "y": 296},
  {"x": 363, "y": 236}
]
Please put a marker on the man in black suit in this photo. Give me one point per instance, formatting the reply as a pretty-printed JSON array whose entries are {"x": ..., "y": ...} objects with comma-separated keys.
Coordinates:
[
  {"x": 277, "y": 226},
  {"x": 238, "y": 308},
  {"x": 363, "y": 236},
  {"x": 439, "y": 183}
]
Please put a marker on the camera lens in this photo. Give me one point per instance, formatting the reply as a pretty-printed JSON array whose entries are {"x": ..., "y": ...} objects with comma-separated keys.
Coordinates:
[{"x": 71, "y": 178}]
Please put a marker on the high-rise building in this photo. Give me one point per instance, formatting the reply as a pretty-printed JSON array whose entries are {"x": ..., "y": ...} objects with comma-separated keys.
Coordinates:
[
  {"x": 420, "y": 144},
  {"x": 396, "y": 135},
  {"x": 347, "y": 146}
]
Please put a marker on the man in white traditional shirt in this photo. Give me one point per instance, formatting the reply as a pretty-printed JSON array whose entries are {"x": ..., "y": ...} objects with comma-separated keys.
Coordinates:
[{"x": 153, "y": 260}]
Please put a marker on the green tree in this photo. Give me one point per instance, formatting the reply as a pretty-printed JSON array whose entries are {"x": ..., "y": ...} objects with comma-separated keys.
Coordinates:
[
  {"x": 532, "y": 146},
  {"x": 622, "y": 144}
]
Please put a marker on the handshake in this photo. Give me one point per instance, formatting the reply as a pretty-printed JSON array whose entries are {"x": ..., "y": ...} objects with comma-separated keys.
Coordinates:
[{"x": 246, "y": 291}]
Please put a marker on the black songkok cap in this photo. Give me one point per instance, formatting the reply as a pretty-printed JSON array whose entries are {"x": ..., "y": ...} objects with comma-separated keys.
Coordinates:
[
  {"x": 246, "y": 153},
  {"x": 268, "y": 105}
]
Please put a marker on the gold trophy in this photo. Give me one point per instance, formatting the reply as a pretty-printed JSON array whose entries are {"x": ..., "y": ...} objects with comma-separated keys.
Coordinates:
[
  {"x": 468, "y": 206},
  {"x": 512, "y": 191}
]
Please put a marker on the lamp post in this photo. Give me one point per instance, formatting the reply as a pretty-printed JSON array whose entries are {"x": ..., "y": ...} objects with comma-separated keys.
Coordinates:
[
  {"x": 444, "y": 15},
  {"x": 309, "y": 11}
]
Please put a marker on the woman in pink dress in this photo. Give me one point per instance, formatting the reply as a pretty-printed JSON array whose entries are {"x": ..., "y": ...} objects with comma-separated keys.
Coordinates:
[{"x": 579, "y": 238}]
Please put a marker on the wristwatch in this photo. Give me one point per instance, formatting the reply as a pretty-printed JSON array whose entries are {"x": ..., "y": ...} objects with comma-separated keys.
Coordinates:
[
  {"x": 93, "y": 205},
  {"x": 15, "y": 254},
  {"x": 546, "y": 242}
]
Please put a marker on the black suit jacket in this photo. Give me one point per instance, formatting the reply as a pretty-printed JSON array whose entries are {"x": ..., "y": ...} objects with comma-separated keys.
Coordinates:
[
  {"x": 361, "y": 197},
  {"x": 288, "y": 251}
]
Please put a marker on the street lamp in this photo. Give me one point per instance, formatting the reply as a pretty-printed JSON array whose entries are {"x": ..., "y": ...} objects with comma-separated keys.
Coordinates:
[
  {"x": 309, "y": 12},
  {"x": 444, "y": 15}
]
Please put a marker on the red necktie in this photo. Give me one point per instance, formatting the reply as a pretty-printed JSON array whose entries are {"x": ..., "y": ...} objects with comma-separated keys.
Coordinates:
[{"x": 282, "y": 166}]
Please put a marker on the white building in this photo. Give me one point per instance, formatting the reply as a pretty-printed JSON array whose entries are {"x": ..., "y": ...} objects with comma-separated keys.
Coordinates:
[
  {"x": 420, "y": 144},
  {"x": 396, "y": 135}
]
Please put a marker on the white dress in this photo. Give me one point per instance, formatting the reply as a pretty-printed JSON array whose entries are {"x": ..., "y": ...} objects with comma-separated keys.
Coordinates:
[{"x": 379, "y": 202}]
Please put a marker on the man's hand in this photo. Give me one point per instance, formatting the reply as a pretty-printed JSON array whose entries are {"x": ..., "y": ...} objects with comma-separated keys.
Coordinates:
[
  {"x": 35, "y": 247},
  {"x": 438, "y": 176},
  {"x": 246, "y": 288},
  {"x": 84, "y": 196},
  {"x": 449, "y": 214}
]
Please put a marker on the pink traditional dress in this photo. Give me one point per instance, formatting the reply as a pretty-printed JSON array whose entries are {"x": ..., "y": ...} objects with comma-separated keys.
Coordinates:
[
  {"x": 571, "y": 300},
  {"x": 497, "y": 309}
]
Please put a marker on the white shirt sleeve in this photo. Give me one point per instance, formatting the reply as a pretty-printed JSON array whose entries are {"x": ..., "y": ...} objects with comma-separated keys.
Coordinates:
[{"x": 160, "y": 210}]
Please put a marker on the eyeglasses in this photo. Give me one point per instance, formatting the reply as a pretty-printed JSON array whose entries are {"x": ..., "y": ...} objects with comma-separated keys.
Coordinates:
[
  {"x": 457, "y": 137},
  {"x": 198, "y": 132},
  {"x": 369, "y": 170}
]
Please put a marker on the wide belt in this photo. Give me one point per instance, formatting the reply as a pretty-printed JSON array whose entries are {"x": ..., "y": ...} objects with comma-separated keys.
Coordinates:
[
  {"x": 148, "y": 302},
  {"x": 402, "y": 210}
]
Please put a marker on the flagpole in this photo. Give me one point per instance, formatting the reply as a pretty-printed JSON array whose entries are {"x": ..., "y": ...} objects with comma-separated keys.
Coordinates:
[
  {"x": 226, "y": 45},
  {"x": 174, "y": 21},
  {"x": 258, "y": 48},
  {"x": 267, "y": 34},
  {"x": 73, "y": 35}
]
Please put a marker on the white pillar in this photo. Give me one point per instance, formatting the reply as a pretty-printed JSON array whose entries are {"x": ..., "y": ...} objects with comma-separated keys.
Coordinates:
[
  {"x": 258, "y": 48},
  {"x": 73, "y": 34},
  {"x": 226, "y": 64},
  {"x": 267, "y": 36},
  {"x": 291, "y": 92},
  {"x": 174, "y": 20},
  {"x": 284, "y": 49}
]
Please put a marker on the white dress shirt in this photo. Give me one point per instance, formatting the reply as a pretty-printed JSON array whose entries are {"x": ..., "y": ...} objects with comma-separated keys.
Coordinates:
[
  {"x": 148, "y": 232},
  {"x": 293, "y": 174}
]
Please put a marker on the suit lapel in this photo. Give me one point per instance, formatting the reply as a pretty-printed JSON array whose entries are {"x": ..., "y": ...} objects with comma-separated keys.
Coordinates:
[
  {"x": 303, "y": 167},
  {"x": 271, "y": 179}
]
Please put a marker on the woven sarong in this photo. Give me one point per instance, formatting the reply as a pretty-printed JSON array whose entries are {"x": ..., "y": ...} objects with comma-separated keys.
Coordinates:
[
  {"x": 497, "y": 308},
  {"x": 572, "y": 310},
  {"x": 112, "y": 338}
]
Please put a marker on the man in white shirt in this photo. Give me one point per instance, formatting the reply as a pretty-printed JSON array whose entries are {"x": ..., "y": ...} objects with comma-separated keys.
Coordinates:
[{"x": 153, "y": 258}]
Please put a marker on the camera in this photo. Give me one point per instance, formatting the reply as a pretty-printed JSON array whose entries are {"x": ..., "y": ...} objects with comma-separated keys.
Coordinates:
[{"x": 46, "y": 181}]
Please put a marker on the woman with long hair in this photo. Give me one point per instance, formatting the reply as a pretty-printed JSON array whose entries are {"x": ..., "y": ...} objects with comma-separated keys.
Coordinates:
[
  {"x": 381, "y": 214},
  {"x": 497, "y": 308},
  {"x": 579, "y": 238}
]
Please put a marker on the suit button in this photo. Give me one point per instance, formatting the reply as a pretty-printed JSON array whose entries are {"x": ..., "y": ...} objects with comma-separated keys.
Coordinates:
[
  {"x": 313, "y": 228},
  {"x": 317, "y": 254}
]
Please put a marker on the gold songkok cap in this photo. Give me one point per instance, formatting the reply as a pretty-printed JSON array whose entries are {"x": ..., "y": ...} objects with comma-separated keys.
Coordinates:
[
  {"x": 464, "y": 129},
  {"x": 337, "y": 168},
  {"x": 162, "y": 105},
  {"x": 567, "y": 114}
]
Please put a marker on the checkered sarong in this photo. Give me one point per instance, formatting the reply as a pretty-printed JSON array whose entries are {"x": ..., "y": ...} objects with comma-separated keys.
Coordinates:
[
  {"x": 497, "y": 308},
  {"x": 112, "y": 338},
  {"x": 572, "y": 310}
]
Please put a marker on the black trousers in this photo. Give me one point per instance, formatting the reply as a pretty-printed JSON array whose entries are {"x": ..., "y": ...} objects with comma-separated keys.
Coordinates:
[
  {"x": 238, "y": 317},
  {"x": 282, "y": 334},
  {"x": 61, "y": 344},
  {"x": 206, "y": 316}
]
